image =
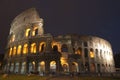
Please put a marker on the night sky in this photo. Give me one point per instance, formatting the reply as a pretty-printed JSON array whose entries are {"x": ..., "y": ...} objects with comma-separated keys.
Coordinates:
[{"x": 90, "y": 17}]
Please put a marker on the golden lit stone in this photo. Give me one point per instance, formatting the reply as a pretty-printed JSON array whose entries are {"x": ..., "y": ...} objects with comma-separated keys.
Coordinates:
[
  {"x": 33, "y": 48},
  {"x": 27, "y": 32},
  {"x": 19, "y": 49},
  {"x": 91, "y": 54},
  {"x": 25, "y": 48}
]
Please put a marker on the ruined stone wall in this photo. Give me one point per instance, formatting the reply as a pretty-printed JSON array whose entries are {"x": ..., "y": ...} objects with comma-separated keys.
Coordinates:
[{"x": 27, "y": 19}]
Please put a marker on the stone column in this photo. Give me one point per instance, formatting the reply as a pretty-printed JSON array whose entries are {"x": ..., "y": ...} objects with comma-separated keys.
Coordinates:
[
  {"x": 58, "y": 66},
  {"x": 47, "y": 66},
  {"x": 48, "y": 45},
  {"x": 19, "y": 71}
]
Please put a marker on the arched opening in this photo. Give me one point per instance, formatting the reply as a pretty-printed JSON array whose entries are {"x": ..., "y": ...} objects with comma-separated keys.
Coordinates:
[
  {"x": 16, "y": 67},
  {"x": 65, "y": 67},
  {"x": 53, "y": 66},
  {"x": 92, "y": 65},
  {"x": 87, "y": 66},
  {"x": 19, "y": 49},
  {"x": 33, "y": 48},
  {"x": 14, "y": 50},
  {"x": 92, "y": 55},
  {"x": 12, "y": 38},
  {"x": 64, "y": 48},
  {"x": 23, "y": 67},
  {"x": 74, "y": 67},
  {"x": 35, "y": 31},
  {"x": 64, "y": 64},
  {"x": 27, "y": 33},
  {"x": 31, "y": 67},
  {"x": 55, "y": 48},
  {"x": 41, "y": 66},
  {"x": 42, "y": 47},
  {"x": 79, "y": 51},
  {"x": 10, "y": 52},
  {"x": 103, "y": 68},
  {"x": 98, "y": 67},
  {"x": 25, "y": 48},
  {"x": 58, "y": 44}
]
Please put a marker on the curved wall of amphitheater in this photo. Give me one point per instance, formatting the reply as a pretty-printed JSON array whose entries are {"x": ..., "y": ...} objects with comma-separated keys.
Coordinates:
[
  {"x": 95, "y": 54},
  {"x": 30, "y": 50}
]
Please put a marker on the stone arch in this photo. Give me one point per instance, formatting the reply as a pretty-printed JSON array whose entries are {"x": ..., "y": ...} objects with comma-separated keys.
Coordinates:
[
  {"x": 12, "y": 37},
  {"x": 31, "y": 66},
  {"x": 35, "y": 31},
  {"x": 27, "y": 32},
  {"x": 65, "y": 67},
  {"x": 14, "y": 50},
  {"x": 55, "y": 48},
  {"x": 41, "y": 66},
  {"x": 25, "y": 48},
  {"x": 53, "y": 66},
  {"x": 92, "y": 55},
  {"x": 33, "y": 48},
  {"x": 87, "y": 66},
  {"x": 79, "y": 51},
  {"x": 42, "y": 46},
  {"x": 19, "y": 48},
  {"x": 92, "y": 65},
  {"x": 74, "y": 67},
  {"x": 10, "y": 51},
  {"x": 56, "y": 44}
]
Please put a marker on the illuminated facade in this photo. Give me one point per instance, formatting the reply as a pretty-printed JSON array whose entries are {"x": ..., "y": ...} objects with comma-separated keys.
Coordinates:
[{"x": 30, "y": 50}]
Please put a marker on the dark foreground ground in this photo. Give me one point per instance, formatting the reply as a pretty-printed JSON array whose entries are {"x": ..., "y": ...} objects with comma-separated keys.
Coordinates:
[{"x": 37, "y": 77}]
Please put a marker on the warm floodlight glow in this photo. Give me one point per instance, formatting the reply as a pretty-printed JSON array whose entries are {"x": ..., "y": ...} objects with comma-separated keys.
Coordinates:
[
  {"x": 108, "y": 57},
  {"x": 57, "y": 44},
  {"x": 10, "y": 52},
  {"x": 35, "y": 31},
  {"x": 12, "y": 38},
  {"x": 19, "y": 49},
  {"x": 42, "y": 46},
  {"x": 27, "y": 32},
  {"x": 78, "y": 52},
  {"x": 25, "y": 48},
  {"x": 33, "y": 48},
  {"x": 91, "y": 54},
  {"x": 14, "y": 50}
]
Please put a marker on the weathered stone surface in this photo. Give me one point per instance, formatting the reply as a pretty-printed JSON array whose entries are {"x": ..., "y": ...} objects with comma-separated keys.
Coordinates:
[{"x": 33, "y": 51}]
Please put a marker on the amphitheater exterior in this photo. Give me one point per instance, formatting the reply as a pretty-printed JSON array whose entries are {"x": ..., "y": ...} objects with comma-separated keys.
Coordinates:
[{"x": 30, "y": 50}]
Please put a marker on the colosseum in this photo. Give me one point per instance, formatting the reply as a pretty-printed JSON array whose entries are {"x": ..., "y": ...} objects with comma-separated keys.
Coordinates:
[{"x": 29, "y": 49}]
